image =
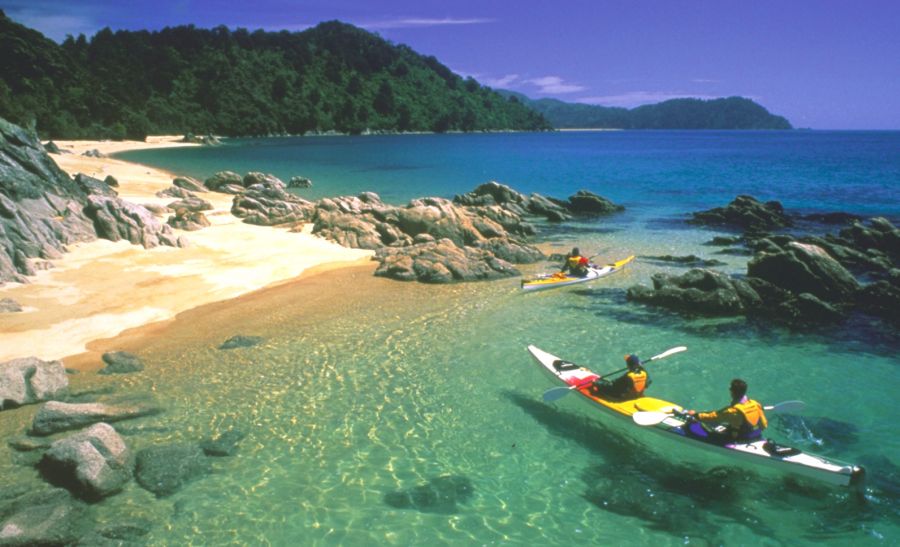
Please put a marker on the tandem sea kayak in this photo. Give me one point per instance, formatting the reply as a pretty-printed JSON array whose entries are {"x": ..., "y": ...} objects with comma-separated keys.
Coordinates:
[
  {"x": 760, "y": 451},
  {"x": 552, "y": 281}
]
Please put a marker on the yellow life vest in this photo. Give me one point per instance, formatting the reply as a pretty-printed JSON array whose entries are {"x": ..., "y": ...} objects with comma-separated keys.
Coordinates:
[
  {"x": 752, "y": 412},
  {"x": 574, "y": 262}
]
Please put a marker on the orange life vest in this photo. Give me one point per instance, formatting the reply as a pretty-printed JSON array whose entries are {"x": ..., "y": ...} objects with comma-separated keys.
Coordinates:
[{"x": 638, "y": 381}]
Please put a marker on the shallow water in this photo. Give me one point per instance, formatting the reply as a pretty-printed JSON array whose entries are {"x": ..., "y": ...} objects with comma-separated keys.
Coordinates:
[{"x": 380, "y": 412}]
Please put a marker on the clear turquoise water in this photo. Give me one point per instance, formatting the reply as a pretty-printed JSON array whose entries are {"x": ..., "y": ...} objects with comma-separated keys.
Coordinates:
[{"x": 355, "y": 402}]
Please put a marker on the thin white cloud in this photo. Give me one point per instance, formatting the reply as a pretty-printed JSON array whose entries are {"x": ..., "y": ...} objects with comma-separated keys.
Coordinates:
[
  {"x": 502, "y": 82},
  {"x": 554, "y": 84},
  {"x": 705, "y": 81},
  {"x": 637, "y": 98},
  {"x": 422, "y": 22},
  {"x": 55, "y": 25}
]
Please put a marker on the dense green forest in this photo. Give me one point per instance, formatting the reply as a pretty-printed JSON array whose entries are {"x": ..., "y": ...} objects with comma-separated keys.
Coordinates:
[
  {"x": 335, "y": 76},
  {"x": 730, "y": 113}
]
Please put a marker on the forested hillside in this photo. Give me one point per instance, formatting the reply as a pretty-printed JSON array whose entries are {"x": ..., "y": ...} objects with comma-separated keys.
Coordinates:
[
  {"x": 236, "y": 82},
  {"x": 730, "y": 113}
]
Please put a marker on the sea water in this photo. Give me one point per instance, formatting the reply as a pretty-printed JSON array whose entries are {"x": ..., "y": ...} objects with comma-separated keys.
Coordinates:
[{"x": 394, "y": 413}]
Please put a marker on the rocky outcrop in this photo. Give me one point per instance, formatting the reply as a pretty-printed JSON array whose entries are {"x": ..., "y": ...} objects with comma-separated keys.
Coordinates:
[
  {"x": 745, "y": 213},
  {"x": 266, "y": 202},
  {"x": 803, "y": 268},
  {"x": 116, "y": 219},
  {"x": 52, "y": 148},
  {"x": 441, "y": 262},
  {"x": 805, "y": 280},
  {"x": 686, "y": 261},
  {"x": 93, "y": 153},
  {"x": 92, "y": 464},
  {"x": 164, "y": 470},
  {"x": 54, "y": 416},
  {"x": 31, "y": 380},
  {"x": 496, "y": 194},
  {"x": 40, "y": 206}
]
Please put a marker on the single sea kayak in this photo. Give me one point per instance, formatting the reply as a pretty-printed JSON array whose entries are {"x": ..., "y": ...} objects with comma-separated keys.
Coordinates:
[
  {"x": 759, "y": 451},
  {"x": 552, "y": 281}
]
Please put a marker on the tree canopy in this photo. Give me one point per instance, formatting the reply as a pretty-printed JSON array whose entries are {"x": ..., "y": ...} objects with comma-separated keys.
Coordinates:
[{"x": 333, "y": 77}]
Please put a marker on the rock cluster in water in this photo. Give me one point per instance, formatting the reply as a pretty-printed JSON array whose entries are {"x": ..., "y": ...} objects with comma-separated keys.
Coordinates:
[
  {"x": 84, "y": 459},
  {"x": 796, "y": 279},
  {"x": 475, "y": 236}
]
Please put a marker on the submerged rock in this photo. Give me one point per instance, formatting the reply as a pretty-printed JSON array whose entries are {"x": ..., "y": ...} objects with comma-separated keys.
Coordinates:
[
  {"x": 56, "y": 416},
  {"x": 164, "y": 470},
  {"x": 49, "y": 517},
  {"x": 241, "y": 341},
  {"x": 121, "y": 362},
  {"x": 225, "y": 444},
  {"x": 440, "y": 495}
]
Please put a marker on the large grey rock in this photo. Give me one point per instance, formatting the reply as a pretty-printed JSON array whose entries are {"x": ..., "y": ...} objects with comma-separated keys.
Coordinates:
[
  {"x": 586, "y": 202},
  {"x": 54, "y": 416},
  {"x": 92, "y": 464},
  {"x": 31, "y": 380},
  {"x": 47, "y": 517},
  {"x": 40, "y": 206},
  {"x": 164, "y": 470},
  {"x": 192, "y": 203},
  {"x": 266, "y": 202},
  {"x": 115, "y": 219},
  {"x": 699, "y": 291},
  {"x": 747, "y": 213},
  {"x": 225, "y": 181},
  {"x": 175, "y": 192},
  {"x": 804, "y": 268}
]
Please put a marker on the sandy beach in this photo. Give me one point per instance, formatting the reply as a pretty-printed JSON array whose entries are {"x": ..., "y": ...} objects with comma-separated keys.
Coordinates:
[{"x": 100, "y": 289}]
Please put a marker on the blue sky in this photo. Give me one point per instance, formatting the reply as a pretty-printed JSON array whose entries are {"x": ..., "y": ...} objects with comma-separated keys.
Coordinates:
[{"x": 824, "y": 64}]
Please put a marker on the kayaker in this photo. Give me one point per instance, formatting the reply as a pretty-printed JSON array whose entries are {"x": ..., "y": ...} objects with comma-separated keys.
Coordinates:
[
  {"x": 743, "y": 418},
  {"x": 629, "y": 386},
  {"x": 575, "y": 264}
]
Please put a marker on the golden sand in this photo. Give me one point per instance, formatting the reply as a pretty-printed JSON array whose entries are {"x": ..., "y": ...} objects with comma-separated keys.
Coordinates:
[{"x": 100, "y": 289}]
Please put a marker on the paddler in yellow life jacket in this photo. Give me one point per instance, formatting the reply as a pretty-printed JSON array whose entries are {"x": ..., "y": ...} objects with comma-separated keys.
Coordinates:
[
  {"x": 575, "y": 264},
  {"x": 743, "y": 418},
  {"x": 629, "y": 386}
]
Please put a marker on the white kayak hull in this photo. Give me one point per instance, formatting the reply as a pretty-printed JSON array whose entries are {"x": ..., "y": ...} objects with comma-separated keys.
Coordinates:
[
  {"x": 760, "y": 452},
  {"x": 553, "y": 281}
]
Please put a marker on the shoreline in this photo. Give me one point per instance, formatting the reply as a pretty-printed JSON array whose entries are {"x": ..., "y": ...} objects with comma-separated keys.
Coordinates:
[{"x": 101, "y": 289}]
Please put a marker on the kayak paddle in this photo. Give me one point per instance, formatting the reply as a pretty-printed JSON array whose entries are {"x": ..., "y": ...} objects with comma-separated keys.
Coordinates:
[
  {"x": 654, "y": 418},
  {"x": 556, "y": 393}
]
